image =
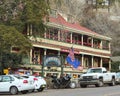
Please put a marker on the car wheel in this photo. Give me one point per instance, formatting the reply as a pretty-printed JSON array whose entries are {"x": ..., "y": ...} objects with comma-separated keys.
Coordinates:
[
  {"x": 24, "y": 92},
  {"x": 100, "y": 83},
  {"x": 112, "y": 83},
  {"x": 72, "y": 85},
  {"x": 40, "y": 89},
  {"x": 13, "y": 90}
]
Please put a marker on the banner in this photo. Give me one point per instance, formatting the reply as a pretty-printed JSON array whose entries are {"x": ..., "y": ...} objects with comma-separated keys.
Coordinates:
[{"x": 72, "y": 60}]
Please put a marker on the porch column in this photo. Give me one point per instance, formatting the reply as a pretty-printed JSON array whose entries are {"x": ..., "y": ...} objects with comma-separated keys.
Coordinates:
[
  {"x": 58, "y": 53},
  {"x": 109, "y": 46},
  {"x": 101, "y": 62},
  {"x": 82, "y": 39},
  {"x": 31, "y": 50},
  {"x": 42, "y": 71},
  {"x": 71, "y": 37},
  {"x": 92, "y": 61},
  {"x": 58, "y": 35},
  {"x": 92, "y": 42},
  {"x": 82, "y": 61},
  {"x": 109, "y": 64},
  {"x": 101, "y": 45},
  {"x": 45, "y": 51}
]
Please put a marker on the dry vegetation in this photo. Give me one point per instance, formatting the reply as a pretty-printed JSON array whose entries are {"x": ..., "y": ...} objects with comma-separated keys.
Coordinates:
[{"x": 98, "y": 21}]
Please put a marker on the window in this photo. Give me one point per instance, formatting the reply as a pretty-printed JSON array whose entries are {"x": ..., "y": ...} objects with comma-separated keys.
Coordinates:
[
  {"x": 18, "y": 77},
  {"x": 6, "y": 79},
  {"x": 106, "y": 45},
  {"x": 94, "y": 71},
  {"x": 52, "y": 34},
  {"x": 68, "y": 37},
  {"x": 75, "y": 38},
  {"x": 63, "y": 35}
]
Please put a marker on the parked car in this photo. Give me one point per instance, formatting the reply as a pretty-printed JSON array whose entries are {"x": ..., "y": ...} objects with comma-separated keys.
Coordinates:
[
  {"x": 118, "y": 78},
  {"x": 97, "y": 76},
  {"x": 14, "y": 84},
  {"x": 39, "y": 82}
]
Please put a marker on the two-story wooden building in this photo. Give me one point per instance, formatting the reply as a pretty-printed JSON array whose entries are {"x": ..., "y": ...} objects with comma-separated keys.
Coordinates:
[{"x": 92, "y": 49}]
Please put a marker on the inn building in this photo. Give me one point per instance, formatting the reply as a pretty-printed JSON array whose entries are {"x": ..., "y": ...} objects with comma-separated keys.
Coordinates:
[{"x": 90, "y": 48}]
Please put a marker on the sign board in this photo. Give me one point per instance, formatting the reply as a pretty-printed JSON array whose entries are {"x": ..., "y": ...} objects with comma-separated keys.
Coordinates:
[
  {"x": 5, "y": 71},
  {"x": 52, "y": 61}
]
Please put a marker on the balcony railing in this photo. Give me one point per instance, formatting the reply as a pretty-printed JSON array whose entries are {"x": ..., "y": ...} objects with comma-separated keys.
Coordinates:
[{"x": 78, "y": 42}]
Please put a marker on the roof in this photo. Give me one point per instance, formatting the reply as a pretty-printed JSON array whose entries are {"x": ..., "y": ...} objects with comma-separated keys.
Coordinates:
[
  {"x": 61, "y": 21},
  {"x": 115, "y": 58}
]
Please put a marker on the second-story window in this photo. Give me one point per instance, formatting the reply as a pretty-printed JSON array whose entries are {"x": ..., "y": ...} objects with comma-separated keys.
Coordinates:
[
  {"x": 63, "y": 35},
  {"x": 96, "y": 43},
  {"x": 89, "y": 41},
  {"x": 68, "y": 39},
  {"x": 52, "y": 34},
  {"x": 75, "y": 38},
  {"x": 106, "y": 45}
]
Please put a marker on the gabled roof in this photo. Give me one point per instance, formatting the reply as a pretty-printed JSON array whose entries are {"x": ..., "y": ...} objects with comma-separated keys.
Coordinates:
[{"x": 61, "y": 21}]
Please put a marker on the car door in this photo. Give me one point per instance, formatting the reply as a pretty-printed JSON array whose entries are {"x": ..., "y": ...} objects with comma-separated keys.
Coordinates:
[
  {"x": 106, "y": 77},
  {"x": 1, "y": 83},
  {"x": 5, "y": 83}
]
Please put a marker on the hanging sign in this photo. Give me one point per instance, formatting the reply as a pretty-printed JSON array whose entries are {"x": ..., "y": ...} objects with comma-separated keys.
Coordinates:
[{"x": 52, "y": 61}]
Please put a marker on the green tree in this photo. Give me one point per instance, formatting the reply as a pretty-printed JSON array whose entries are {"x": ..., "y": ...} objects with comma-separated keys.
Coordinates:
[
  {"x": 24, "y": 15},
  {"x": 20, "y": 16},
  {"x": 115, "y": 66},
  {"x": 10, "y": 37},
  {"x": 11, "y": 60}
]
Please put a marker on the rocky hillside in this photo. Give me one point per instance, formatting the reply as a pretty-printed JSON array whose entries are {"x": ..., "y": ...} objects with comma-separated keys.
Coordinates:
[{"x": 104, "y": 20}]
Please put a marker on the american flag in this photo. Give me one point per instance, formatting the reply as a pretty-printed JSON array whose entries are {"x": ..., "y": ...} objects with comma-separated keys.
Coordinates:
[
  {"x": 71, "y": 54},
  {"x": 71, "y": 59}
]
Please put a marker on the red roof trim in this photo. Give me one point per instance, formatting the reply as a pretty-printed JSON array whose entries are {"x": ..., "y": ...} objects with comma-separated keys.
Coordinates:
[{"x": 61, "y": 21}]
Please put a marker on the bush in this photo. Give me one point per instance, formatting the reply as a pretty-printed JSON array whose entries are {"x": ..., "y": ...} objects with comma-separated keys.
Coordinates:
[{"x": 115, "y": 66}]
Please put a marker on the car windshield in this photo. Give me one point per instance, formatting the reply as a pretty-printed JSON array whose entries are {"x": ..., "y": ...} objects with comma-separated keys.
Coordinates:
[{"x": 94, "y": 71}]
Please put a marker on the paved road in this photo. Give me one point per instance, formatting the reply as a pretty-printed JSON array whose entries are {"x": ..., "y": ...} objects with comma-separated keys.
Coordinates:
[{"x": 90, "y": 91}]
